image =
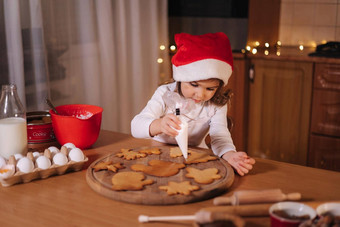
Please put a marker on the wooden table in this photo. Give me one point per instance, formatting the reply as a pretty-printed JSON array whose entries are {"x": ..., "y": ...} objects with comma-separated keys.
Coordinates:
[{"x": 67, "y": 200}]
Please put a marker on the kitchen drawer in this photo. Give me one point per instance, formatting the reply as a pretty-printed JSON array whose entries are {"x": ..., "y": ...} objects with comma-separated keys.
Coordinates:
[
  {"x": 326, "y": 112},
  {"x": 324, "y": 152},
  {"x": 327, "y": 76}
]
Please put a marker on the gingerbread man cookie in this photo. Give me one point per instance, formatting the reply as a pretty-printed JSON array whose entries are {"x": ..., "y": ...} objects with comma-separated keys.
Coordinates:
[{"x": 129, "y": 181}]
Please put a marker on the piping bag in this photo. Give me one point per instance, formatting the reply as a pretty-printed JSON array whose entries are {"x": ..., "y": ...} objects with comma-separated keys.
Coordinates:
[
  {"x": 182, "y": 137},
  {"x": 180, "y": 107}
]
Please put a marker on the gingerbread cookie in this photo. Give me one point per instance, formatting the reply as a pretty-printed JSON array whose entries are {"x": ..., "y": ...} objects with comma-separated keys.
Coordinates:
[
  {"x": 130, "y": 155},
  {"x": 197, "y": 157},
  {"x": 205, "y": 176},
  {"x": 159, "y": 168},
  {"x": 129, "y": 181},
  {"x": 176, "y": 152},
  {"x": 107, "y": 166},
  {"x": 150, "y": 151},
  {"x": 183, "y": 188}
]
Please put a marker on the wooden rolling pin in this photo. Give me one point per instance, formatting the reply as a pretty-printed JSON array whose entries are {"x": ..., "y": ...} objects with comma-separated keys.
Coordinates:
[
  {"x": 201, "y": 217},
  {"x": 254, "y": 210},
  {"x": 256, "y": 196}
]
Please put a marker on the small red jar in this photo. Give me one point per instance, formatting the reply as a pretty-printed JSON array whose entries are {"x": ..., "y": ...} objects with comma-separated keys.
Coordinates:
[{"x": 40, "y": 133}]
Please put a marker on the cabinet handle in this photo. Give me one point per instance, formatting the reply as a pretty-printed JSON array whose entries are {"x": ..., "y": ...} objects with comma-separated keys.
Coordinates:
[{"x": 252, "y": 73}]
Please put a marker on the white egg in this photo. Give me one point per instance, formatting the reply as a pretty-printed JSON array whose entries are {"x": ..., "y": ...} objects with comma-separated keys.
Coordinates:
[
  {"x": 69, "y": 145},
  {"x": 43, "y": 162},
  {"x": 18, "y": 156},
  {"x": 25, "y": 165},
  {"x": 36, "y": 154},
  {"x": 76, "y": 155},
  {"x": 60, "y": 159},
  {"x": 53, "y": 150},
  {"x": 2, "y": 161},
  {"x": 7, "y": 171}
]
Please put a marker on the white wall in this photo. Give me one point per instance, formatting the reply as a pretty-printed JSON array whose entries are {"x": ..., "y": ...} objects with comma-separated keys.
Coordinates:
[{"x": 309, "y": 22}]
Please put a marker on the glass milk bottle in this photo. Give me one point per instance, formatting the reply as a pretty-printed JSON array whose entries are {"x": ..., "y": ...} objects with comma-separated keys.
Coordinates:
[{"x": 13, "y": 126}]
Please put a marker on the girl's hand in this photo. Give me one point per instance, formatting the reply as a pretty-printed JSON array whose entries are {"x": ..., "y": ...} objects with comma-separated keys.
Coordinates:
[
  {"x": 240, "y": 161},
  {"x": 166, "y": 125}
]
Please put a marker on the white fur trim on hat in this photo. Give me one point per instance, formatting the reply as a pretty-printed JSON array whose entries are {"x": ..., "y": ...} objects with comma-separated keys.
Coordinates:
[{"x": 203, "y": 70}]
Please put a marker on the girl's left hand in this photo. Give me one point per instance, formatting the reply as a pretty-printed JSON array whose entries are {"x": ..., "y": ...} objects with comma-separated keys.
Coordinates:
[{"x": 240, "y": 161}]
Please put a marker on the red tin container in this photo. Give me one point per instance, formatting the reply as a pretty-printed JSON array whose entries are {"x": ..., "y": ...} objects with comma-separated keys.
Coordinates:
[{"x": 39, "y": 130}]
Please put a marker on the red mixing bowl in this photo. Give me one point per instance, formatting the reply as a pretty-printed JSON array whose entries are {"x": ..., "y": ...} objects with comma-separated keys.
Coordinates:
[{"x": 77, "y": 123}]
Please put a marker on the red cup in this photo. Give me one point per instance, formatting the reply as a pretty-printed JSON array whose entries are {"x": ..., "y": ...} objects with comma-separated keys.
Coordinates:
[
  {"x": 77, "y": 123},
  {"x": 291, "y": 208}
]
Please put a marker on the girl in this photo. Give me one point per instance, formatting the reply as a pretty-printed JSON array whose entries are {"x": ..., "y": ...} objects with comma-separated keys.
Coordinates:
[{"x": 201, "y": 67}]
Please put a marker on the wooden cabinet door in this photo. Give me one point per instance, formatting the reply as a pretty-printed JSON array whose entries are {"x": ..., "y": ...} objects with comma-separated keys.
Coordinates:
[
  {"x": 323, "y": 153},
  {"x": 279, "y": 110},
  {"x": 236, "y": 107}
]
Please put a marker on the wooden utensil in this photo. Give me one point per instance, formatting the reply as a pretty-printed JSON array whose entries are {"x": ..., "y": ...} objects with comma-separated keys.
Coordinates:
[
  {"x": 256, "y": 196},
  {"x": 201, "y": 217},
  {"x": 253, "y": 210},
  {"x": 101, "y": 181}
]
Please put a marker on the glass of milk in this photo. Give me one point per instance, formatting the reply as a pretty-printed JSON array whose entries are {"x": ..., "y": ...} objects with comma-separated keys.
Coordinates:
[{"x": 13, "y": 125}]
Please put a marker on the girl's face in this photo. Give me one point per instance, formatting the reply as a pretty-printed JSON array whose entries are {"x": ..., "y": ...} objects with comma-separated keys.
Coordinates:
[{"x": 200, "y": 91}]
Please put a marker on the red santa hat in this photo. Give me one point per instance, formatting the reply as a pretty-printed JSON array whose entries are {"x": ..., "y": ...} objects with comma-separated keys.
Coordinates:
[{"x": 201, "y": 57}]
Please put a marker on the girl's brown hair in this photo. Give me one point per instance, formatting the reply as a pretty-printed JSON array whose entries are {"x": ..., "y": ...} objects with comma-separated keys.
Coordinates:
[{"x": 221, "y": 97}]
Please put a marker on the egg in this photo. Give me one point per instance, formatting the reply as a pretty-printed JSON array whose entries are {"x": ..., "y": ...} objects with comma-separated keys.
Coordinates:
[
  {"x": 7, "y": 171},
  {"x": 2, "y": 161},
  {"x": 60, "y": 159},
  {"x": 69, "y": 146},
  {"x": 25, "y": 165},
  {"x": 43, "y": 162},
  {"x": 18, "y": 156},
  {"x": 76, "y": 155},
  {"x": 53, "y": 150},
  {"x": 36, "y": 154}
]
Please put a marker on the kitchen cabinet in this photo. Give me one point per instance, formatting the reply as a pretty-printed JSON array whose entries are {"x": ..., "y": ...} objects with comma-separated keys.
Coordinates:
[
  {"x": 237, "y": 106},
  {"x": 280, "y": 95},
  {"x": 324, "y": 146}
]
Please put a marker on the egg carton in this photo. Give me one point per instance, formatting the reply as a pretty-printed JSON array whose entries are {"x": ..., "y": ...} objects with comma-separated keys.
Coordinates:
[{"x": 37, "y": 173}]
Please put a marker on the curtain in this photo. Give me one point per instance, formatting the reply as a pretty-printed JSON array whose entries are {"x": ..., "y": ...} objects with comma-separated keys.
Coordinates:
[{"x": 100, "y": 52}]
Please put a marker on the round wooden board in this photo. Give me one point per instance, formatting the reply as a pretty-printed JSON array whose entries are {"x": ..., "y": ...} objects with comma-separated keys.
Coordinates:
[{"x": 100, "y": 181}]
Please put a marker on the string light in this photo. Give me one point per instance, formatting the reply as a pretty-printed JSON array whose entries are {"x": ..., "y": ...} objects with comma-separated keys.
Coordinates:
[
  {"x": 172, "y": 47},
  {"x": 162, "y": 47},
  {"x": 248, "y": 48},
  {"x": 301, "y": 47},
  {"x": 266, "y": 45},
  {"x": 278, "y": 53},
  {"x": 160, "y": 60},
  {"x": 266, "y": 52},
  {"x": 279, "y": 43},
  {"x": 254, "y": 51},
  {"x": 257, "y": 43},
  {"x": 243, "y": 51}
]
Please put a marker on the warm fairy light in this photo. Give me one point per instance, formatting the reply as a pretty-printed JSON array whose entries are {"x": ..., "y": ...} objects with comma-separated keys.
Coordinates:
[
  {"x": 248, "y": 48},
  {"x": 254, "y": 51},
  {"x": 266, "y": 52},
  {"x": 278, "y": 53},
  {"x": 172, "y": 47},
  {"x": 162, "y": 47},
  {"x": 301, "y": 47},
  {"x": 266, "y": 45},
  {"x": 243, "y": 51},
  {"x": 279, "y": 43},
  {"x": 160, "y": 60},
  {"x": 257, "y": 43}
]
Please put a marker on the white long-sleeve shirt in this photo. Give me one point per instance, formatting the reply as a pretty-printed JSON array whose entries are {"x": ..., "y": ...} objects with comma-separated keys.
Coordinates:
[{"x": 204, "y": 118}]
